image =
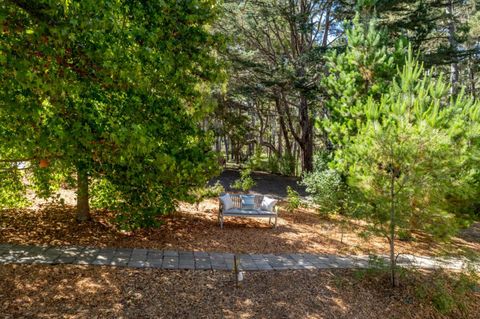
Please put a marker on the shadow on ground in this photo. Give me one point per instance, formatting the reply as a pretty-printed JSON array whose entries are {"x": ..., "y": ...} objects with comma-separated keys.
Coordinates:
[
  {"x": 39, "y": 291},
  {"x": 266, "y": 184}
]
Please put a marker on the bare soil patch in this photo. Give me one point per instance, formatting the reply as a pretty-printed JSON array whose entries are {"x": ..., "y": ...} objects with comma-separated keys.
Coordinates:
[
  {"x": 67, "y": 291},
  {"x": 190, "y": 229}
]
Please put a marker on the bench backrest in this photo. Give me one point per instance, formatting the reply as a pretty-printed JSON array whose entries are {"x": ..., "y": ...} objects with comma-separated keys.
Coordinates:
[{"x": 237, "y": 200}]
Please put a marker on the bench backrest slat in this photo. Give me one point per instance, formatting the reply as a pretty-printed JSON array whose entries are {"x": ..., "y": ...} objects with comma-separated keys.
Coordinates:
[{"x": 237, "y": 200}]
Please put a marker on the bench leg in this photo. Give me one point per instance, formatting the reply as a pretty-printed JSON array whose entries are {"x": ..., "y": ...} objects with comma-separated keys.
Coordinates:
[
  {"x": 275, "y": 221},
  {"x": 221, "y": 222},
  {"x": 270, "y": 220}
]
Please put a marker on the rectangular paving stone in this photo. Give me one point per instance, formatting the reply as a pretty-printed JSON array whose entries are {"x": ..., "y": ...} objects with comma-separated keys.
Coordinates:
[
  {"x": 249, "y": 267},
  {"x": 186, "y": 266},
  {"x": 297, "y": 257},
  {"x": 156, "y": 263},
  {"x": 201, "y": 254},
  {"x": 140, "y": 253},
  {"x": 72, "y": 250},
  {"x": 186, "y": 260},
  {"x": 123, "y": 252},
  {"x": 203, "y": 265},
  {"x": 170, "y": 263},
  {"x": 53, "y": 251},
  {"x": 101, "y": 256},
  {"x": 84, "y": 261},
  {"x": 119, "y": 261},
  {"x": 33, "y": 254},
  {"x": 102, "y": 260},
  {"x": 170, "y": 253},
  {"x": 157, "y": 254},
  {"x": 217, "y": 256},
  {"x": 186, "y": 254}
]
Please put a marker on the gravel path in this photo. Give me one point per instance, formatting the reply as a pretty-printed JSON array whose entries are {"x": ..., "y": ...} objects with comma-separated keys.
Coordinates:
[{"x": 194, "y": 260}]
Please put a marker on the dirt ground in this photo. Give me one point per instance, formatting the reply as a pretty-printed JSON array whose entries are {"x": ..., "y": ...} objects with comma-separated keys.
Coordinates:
[
  {"x": 265, "y": 184},
  {"x": 191, "y": 229},
  {"x": 67, "y": 291}
]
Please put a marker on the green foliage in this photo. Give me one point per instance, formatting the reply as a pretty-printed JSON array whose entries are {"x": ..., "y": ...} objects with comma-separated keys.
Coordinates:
[
  {"x": 258, "y": 161},
  {"x": 245, "y": 182},
  {"x": 293, "y": 199},
  {"x": 378, "y": 269},
  {"x": 329, "y": 189},
  {"x": 365, "y": 70},
  {"x": 410, "y": 150},
  {"x": 207, "y": 192},
  {"x": 284, "y": 165},
  {"x": 405, "y": 148},
  {"x": 104, "y": 194},
  {"x": 116, "y": 89},
  {"x": 449, "y": 294},
  {"x": 12, "y": 189}
]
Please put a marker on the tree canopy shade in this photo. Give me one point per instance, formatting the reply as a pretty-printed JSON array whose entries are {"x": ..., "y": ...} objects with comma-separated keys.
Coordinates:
[{"x": 113, "y": 91}]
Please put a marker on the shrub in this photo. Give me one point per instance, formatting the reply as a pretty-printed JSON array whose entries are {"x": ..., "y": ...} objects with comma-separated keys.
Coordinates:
[
  {"x": 245, "y": 182},
  {"x": 327, "y": 187},
  {"x": 293, "y": 199},
  {"x": 207, "y": 192}
]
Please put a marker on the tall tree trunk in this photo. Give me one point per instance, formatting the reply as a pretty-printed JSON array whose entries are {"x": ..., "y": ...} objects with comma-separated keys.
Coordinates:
[
  {"x": 454, "y": 73},
  {"x": 283, "y": 127},
  {"x": 83, "y": 206},
  {"x": 225, "y": 140},
  {"x": 279, "y": 140},
  {"x": 218, "y": 144},
  {"x": 307, "y": 136}
]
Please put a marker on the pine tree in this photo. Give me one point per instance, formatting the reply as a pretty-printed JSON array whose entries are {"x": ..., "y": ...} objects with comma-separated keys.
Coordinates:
[
  {"x": 409, "y": 155},
  {"x": 364, "y": 70}
]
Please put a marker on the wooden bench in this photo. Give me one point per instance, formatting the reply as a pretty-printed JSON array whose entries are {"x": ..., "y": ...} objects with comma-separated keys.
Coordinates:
[{"x": 238, "y": 210}]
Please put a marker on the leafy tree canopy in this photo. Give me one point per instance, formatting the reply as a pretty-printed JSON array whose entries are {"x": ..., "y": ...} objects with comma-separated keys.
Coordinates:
[{"x": 112, "y": 90}]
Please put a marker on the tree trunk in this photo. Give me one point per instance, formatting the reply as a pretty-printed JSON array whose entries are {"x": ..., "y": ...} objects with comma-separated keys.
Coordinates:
[
  {"x": 392, "y": 229},
  {"x": 283, "y": 127},
  {"x": 83, "y": 207},
  {"x": 218, "y": 144},
  {"x": 226, "y": 148},
  {"x": 279, "y": 141},
  {"x": 307, "y": 136},
  {"x": 454, "y": 73}
]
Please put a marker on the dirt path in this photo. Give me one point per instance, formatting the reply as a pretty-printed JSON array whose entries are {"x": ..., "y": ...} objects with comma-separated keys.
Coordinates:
[{"x": 266, "y": 184}]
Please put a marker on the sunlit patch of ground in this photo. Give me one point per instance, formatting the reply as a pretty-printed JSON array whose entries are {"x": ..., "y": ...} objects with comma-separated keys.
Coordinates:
[
  {"x": 67, "y": 291},
  {"x": 303, "y": 230}
]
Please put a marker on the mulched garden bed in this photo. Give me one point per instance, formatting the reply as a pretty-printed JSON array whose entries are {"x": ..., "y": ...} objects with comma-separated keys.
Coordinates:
[
  {"x": 191, "y": 229},
  {"x": 67, "y": 291}
]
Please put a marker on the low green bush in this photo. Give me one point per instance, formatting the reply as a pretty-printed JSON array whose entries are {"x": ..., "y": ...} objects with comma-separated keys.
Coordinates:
[
  {"x": 245, "y": 182},
  {"x": 293, "y": 199}
]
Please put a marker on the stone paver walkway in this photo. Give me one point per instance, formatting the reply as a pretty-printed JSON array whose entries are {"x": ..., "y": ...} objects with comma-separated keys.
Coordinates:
[{"x": 171, "y": 259}]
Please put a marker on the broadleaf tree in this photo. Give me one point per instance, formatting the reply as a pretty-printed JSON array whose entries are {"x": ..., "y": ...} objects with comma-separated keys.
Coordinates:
[{"x": 113, "y": 92}]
